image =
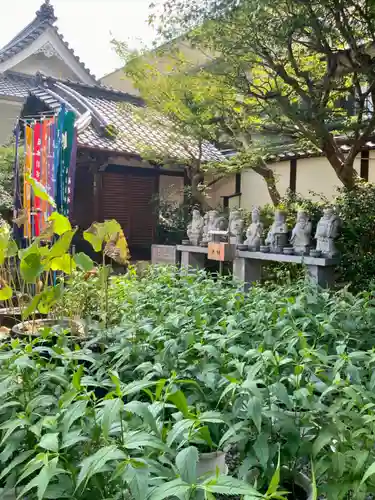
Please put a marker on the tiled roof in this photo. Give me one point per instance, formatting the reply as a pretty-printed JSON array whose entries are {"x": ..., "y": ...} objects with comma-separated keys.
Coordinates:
[
  {"x": 16, "y": 84},
  {"x": 115, "y": 124},
  {"x": 45, "y": 19}
]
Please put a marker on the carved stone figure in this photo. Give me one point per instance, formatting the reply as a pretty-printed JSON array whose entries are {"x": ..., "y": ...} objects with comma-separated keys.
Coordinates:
[
  {"x": 301, "y": 234},
  {"x": 213, "y": 222},
  {"x": 254, "y": 231},
  {"x": 326, "y": 233},
  {"x": 236, "y": 228},
  {"x": 277, "y": 237},
  {"x": 195, "y": 228}
]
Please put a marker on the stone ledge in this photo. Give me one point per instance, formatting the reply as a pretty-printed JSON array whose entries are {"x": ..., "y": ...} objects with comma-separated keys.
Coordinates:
[{"x": 294, "y": 259}]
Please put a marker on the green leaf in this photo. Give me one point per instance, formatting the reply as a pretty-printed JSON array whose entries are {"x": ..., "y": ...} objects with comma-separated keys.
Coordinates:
[
  {"x": 61, "y": 223},
  {"x": 42, "y": 480},
  {"x": 72, "y": 438},
  {"x": 39, "y": 190},
  {"x": 275, "y": 481},
  {"x": 179, "y": 400},
  {"x": 186, "y": 462},
  {"x": 254, "y": 410},
  {"x": 178, "y": 430},
  {"x": 370, "y": 472},
  {"x": 31, "y": 267},
  {"x": 19, "y": 459},
  {"x": 261, "y": 450},
  {"x": 139, "y": 439},
  {"x": 141, "y": 409},
  {"x": 111, "y": 410},
  {"x": 321, "y": 441},
  {"x": 73, "y": 413},
  {"x": 96, "y": 463},
  {"x": 66, "y": 264},
  {"x": 176, "y": 488},
  {"x": 227, "y": 485},
  {"x": 62, "y": 245},
  {"x": 6, "y": 292},
  {"x": 83, "y": 261},
  {"x": 137, "y": 479},
  {"x": 50, "y": 442}
]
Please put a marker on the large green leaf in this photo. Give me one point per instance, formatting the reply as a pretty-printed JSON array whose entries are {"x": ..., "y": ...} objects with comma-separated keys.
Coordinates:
[
  {"x": 39, "y": 190},
  {"x": 42, "y": 480},
  {"x": 65, "y": 263},
  {"x": 137, "y": 479},
  {"x": 62, "y": 245},
  {"x": 6, "y": 292},
  {"x": 186, "y": 462},
  {"x": 31, "y": 267},
  {"x": 61, "y": 223},
  {"x": 83, "y": 261},
  {"x": 95, "y": 463},
  {"x": 75, "y": 411}
]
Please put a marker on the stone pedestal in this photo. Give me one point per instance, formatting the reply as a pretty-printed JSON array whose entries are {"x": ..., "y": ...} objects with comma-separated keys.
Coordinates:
[
  {"x": 247, "y": 271},
  {"x": 192, "y": 256},
  {"x": 322, "y": 276}
]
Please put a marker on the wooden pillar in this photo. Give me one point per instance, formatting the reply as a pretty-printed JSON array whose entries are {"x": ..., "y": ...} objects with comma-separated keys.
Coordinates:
[
  {"x": 364, "y": 165},
  {"x": 293, "y": 175}
]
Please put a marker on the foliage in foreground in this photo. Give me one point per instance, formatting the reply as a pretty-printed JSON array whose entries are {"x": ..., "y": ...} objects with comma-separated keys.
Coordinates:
[{"x": 284, "y": 376}]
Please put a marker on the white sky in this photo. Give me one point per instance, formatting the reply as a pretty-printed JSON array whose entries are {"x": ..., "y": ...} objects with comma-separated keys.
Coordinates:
[{"x": 87, "y": 25}]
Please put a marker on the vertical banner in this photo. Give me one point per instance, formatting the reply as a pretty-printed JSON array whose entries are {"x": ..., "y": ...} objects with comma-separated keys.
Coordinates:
[
  {"x": 26, "y": 185},
  {"x": 37, "y": 175},
  {"x": 17, "y": 203},
  {"x": 72, "y": 172},
  {"x": 57, "y": 175},
  {"x": 51, "y": 181},
  {"x": 68, "y": 136},
  {"x": 44, "y": 172}
]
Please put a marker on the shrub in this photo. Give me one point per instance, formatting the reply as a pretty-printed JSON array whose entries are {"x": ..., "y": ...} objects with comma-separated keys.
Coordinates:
[{"x": 356, "y": 241}]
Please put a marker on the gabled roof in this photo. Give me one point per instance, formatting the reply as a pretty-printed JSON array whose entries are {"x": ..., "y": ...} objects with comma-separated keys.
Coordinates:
[
  {"x": 109, "y": 120},
  {"x": 44, "y": 21}
]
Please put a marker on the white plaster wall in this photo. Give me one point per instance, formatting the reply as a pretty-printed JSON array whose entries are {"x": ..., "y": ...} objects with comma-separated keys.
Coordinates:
[
  {"x": 9, "y": 113},
  {"x": 50, "y": 66},
  {"x": 171, "y": 189},
  {"x": 223, "y": 187},
  {"x": 371, "y": 169}
]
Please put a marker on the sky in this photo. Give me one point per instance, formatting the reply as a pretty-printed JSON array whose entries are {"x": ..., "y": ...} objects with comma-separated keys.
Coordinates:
[{"x": 87, "y": 25}]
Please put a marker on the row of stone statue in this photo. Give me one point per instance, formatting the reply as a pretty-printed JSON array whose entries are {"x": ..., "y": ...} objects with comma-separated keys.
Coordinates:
[{"x": 201, "y": 231}]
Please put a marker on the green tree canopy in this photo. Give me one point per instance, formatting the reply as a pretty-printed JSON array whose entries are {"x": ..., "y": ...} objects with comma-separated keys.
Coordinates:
[{"x": 306, "y": 66}]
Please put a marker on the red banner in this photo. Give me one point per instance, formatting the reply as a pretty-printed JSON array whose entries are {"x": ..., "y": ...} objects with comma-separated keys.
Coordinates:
[{"x": 37, "y": 175}]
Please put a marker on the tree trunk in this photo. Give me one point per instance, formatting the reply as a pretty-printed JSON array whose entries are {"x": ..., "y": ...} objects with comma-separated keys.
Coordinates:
[
  {"x": 344, "y": 168},
  {"x": 196, "y": 179},
  {"x": 269, "y": 177}
]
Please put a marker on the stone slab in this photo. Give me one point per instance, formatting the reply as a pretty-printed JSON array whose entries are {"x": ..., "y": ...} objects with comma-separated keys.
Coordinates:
[
  {"x": 164, "y": 254},
  {"x": 293, "y": 259},
  {"x": 192, "y": 249}
]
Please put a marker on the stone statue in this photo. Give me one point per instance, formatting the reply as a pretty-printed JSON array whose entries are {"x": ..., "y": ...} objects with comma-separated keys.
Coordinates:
[
  {"x": 277, "y": 237},
  {"x": 212, "y": 222},
  {"x": 254, "y": 231},
  {"x": 195, "y": 228},
  {"x": 326, "y": 233},
  {"x": 236, "y": 228},
  {"x": 301, "y": 234}
]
